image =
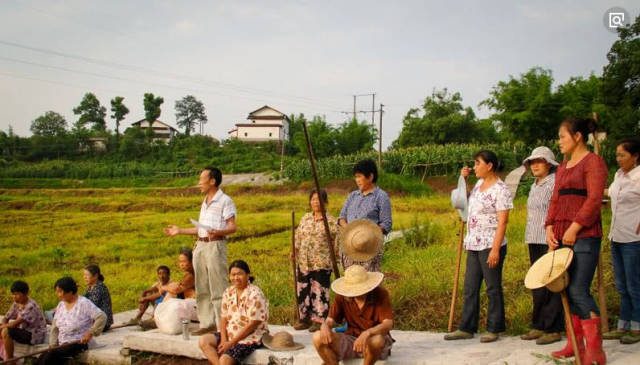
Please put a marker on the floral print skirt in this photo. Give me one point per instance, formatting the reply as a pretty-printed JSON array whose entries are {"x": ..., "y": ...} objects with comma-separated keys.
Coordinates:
[{"x": 313, "y": 294}]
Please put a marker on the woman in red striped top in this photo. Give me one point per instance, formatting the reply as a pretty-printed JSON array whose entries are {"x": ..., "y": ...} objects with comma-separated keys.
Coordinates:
[{"x": 574, "y": 221}]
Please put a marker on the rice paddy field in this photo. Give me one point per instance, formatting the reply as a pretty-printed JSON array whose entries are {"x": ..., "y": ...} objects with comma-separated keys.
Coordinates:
[{"x": 49, "y": 233}]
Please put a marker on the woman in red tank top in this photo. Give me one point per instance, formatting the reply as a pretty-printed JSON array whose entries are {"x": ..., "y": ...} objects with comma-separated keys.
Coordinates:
[{"x": 574, "y": 221}]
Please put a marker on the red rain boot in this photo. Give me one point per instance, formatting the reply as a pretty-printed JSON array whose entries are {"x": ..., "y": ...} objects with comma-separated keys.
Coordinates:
[
  {"x": 593, "y": 339},
  {"x": 568, "y": 350}
]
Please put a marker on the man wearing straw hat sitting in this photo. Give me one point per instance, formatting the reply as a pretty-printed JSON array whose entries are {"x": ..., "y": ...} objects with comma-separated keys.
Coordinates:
[{"x": 366, "y": 307}]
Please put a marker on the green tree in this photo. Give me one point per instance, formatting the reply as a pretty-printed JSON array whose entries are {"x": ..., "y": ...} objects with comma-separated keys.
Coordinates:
[
  {"x": 322, "y": 138},
  {"x": 151, "y": 111},
  {"x": 134, "y": 143},
  {"x": 118, "y": 110},
  {"x": 189, "y": 112},
  {"x": 443, "y": 119},
  {"x": 525, "y": 107},
  {"x": 91, "y": 112},
  {"x": 353, "y": 136},
  {"x": 621, "y": 82},
  {"x": 49, "y": 124},
  {"x": 295, "y": 127}
]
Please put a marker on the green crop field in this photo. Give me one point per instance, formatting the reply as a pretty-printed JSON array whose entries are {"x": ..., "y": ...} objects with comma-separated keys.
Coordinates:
[{"x": 47, "y": 233}]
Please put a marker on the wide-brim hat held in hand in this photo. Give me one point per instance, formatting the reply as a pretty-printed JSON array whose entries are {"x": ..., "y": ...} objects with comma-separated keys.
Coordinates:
[
  {"x": 361, "y": 240},
  {"x": 459, "y": 199},
  {"x": 550, "y": 270},
  {"x": 356, "y": 282},
  {"x": 281, "y": 341},
  {"x": 541, "y": 152}
]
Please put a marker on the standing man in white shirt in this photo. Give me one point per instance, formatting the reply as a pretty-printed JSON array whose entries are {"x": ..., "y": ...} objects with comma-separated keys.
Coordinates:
[{"x": 210, "y": 254}]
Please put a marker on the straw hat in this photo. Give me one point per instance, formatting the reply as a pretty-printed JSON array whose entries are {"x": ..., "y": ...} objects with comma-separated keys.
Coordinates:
[
  {"x": 459, "y": 199},
  {"x": 542, "y": 152},
  {"x": 281, "y": 341},
  {"x": 550, "y": 270},
  {"x": 361, "y": 240},
  {"x": 356, "y": 281}
]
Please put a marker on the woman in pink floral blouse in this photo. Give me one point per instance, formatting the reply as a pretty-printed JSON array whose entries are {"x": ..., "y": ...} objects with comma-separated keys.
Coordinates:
[
  {"x": 486, "y": 245},
  {"x": 24, "y": 322},
  {"x": 244, "y": 314},
  {"x": 314, "y": 264}
]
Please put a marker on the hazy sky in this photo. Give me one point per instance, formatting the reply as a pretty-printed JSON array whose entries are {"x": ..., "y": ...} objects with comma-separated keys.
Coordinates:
[{"x": 298, "y": 56}]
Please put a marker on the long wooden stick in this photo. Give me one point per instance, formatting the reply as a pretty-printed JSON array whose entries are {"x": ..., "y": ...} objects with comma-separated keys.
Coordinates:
[
  {"x": 454, "y": 295},
  {"x": 293, "y": 263},
  {"x": 602, "y": 294},
  {"x": 570, "y": 331},
  {"x": 332, "y": 253},
  {"x": 15, "y": 359}
]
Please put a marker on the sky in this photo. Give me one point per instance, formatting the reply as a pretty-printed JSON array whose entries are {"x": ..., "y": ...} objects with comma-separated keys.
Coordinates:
[{"x": 297, "y": 56}]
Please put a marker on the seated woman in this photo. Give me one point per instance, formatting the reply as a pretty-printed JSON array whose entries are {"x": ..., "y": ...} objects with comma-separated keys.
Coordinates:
[
  {"x": 97, "y": 292},
  {"x": 24, "y": 322},
  {"x": 76, "y": 322},
  {"x": 244, "y": 315},
  {"x": 152, "y": 296},
  {"x": 173, "y": 309}
]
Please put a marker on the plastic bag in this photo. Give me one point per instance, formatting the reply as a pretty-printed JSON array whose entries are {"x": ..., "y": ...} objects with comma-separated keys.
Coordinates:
[{"x": 170, "y": 313}]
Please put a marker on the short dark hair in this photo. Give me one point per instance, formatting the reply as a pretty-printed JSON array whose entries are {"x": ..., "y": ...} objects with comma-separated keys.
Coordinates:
[
  {"x": 323, "y": 195},
  {"x": 242, "y": 265},
  {"x": 67, "y": 285},
  {"x": 186, "y": 252},
  {"x": 583, "y": 125},
  {"x": 631, "y": 145},
  {"x": 489, "y": 156},
  {"x": 95, "y": 270},
  {"x": 165, "y": 268},
  {"x": 215, "y": 173},
  {"x": 366, "y": 167},
  {"x": 20, "y": 286}
]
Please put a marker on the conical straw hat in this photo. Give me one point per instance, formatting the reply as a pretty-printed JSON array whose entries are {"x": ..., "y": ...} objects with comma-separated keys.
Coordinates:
[
  {"x": 281, "y": 341},
  {"x": 550, "y": 270},
  {"x": 356, "y": 281},
  {"x": 361, "y": 240},
  {"x": 459, "y": 199}
]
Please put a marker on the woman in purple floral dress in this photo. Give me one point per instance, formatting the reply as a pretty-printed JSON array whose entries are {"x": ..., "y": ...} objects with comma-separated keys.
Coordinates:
[{"x": 489, "y": 205}]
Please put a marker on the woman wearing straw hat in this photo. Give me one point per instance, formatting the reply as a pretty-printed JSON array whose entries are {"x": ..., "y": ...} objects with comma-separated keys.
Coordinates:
[
  {"x": 625, "y": 240},
  {"x": 366, "y": 307},
  {"x": 244, "y": 315},
  {"x": 489, "y": 205},
  {"x": 547, "y": 318},
  {"x": 314, "y": 264},
  {"x": 574, "y": 221},
  {"x": 368, "y": 202}
]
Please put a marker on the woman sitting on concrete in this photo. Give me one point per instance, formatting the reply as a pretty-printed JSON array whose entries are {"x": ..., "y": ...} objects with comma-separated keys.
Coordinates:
[
  {"x": 178, "y": 301},
  {"x": 76, "y": 322},
  {"x": 97, "y": 292},
  {"x": 244, "y": 315},
  {"x": 23, "y": 323}
]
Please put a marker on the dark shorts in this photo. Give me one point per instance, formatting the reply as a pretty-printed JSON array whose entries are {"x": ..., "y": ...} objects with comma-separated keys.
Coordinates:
[
  {"x": 240, "y": 351},
  {"x": 20, "y": 335},
  {"x": 346, "y": 347}
]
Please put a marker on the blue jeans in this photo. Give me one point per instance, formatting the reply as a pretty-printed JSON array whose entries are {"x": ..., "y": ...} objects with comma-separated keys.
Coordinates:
[
  {"x": 477, "y": 271},
  {"x": 585, "y": 260},
  {"x": 626, "y": 269}
]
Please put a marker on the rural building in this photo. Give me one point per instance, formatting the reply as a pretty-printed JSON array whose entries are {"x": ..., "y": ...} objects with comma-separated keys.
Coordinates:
[
  {"x": 264, "y": 124},
  {"x": 161, "y": 130}
]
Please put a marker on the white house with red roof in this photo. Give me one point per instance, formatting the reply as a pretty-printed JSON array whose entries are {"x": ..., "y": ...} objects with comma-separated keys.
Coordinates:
[{"x": 264, "y": 124}]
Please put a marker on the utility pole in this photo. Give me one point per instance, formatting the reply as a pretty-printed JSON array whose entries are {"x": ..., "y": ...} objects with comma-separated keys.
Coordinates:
[
  {"x": 373, "y": 110},
  {"x": 380, "y": 140},
  {"x": 354, "y": 106}
]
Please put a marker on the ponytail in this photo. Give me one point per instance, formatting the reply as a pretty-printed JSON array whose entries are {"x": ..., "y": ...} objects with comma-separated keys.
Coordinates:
[{"x": 585, "y": 126}]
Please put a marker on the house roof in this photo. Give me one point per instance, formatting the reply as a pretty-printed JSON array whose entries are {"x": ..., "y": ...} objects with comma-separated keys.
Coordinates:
[
  {"x": 233, "y": 130},
  {"x": 282, "y": 115},
  {"x": 156, "y": 121},
  {"x": 258, "y": 125}
]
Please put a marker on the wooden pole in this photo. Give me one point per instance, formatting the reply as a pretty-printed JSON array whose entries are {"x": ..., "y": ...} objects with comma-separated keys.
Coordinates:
[
  {"x": 293, "y": 263},
  {"x": 380, "y": 140},
  {"x": 15, "y": 359},
  {"x": 332, "y": 253},
  {"x": 570, "y": 331},
  {"x": 602, "y": 294},
  {"x": 454, "y": 295}
]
